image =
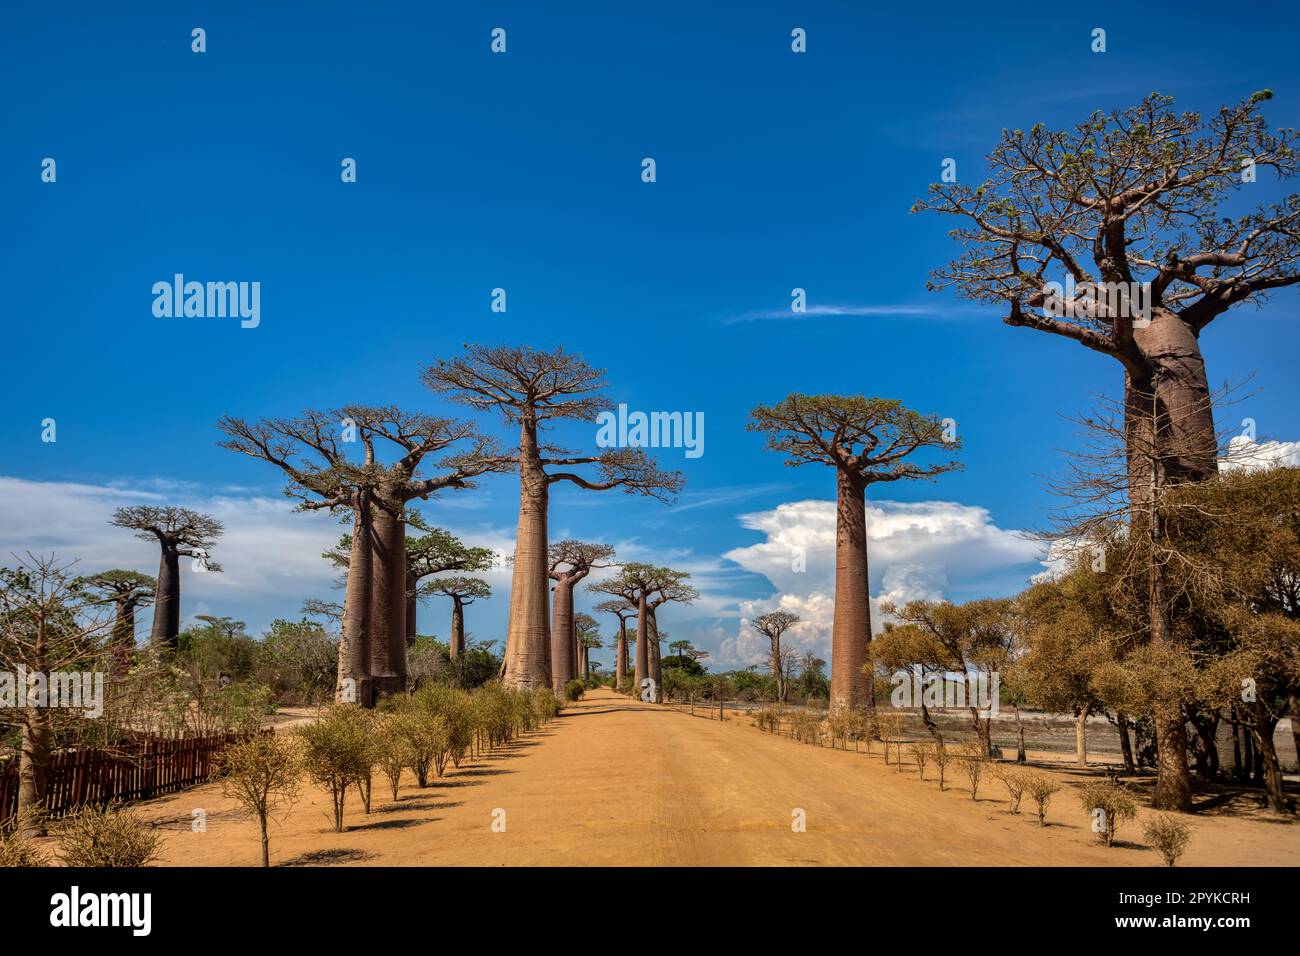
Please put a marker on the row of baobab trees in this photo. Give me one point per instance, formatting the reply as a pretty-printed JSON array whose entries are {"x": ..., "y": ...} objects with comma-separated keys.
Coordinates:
[
  {"x": 1126, "y": 198},
  {"x": 867, "y": 440}
]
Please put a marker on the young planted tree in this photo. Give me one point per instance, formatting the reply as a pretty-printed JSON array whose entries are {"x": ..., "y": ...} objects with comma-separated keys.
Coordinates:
[
  {"x": 772, "y": 625},
  {"x": 49, "y": 625},
  {"x": 128, "y": 592},
  {"x": 261, "y": 774},
  {"x": 570, "y": 562},
  {"x": 463, "y": 592},
  {"x": 866, "y": 440},
  {"x": 180, "y": 533},
  {"x": 1127, "y": 206},
  {"x": 622, "y": 609},
  {"x": 530, "y": 388},
  {"x": 310, "y": 451},
  {"x": 337, "y": 751}
]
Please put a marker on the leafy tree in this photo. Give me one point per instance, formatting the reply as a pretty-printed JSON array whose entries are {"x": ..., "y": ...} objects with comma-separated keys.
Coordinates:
[
  {"x": 570, "y": 562},
  {"x": 531, "y": 388},
  {"x": 261, "y": 774},
  {"x": 128, "y": 592},
  {"x": 1134, "y": 196},
  {"x": 772, "y": 625},
  {"x": 866, "y": 441},
  {"x": 180, "y": 533},
  {"x": 463, "y": 592}
]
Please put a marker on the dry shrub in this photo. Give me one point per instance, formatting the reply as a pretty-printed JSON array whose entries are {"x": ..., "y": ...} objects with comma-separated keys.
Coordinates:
[
  {"x": 1041, "y": 787},
  {"x": 889, "y": 727},
  {"x": 1110, "y": 804},
  {"x": 108, "y": 836},
  {"x": 337, "y": 751},
  {"x": 1168, "y": 835},
  {"x": 922, "y": 752},
  {"x": 974, "y": 760},
  {"x": 942, "y": 757},
  {"x": 260, "y": 774},
  {"x": 804, "y": 725},
  {"x": 18, "y": 849},
  {"x": 1014, "y": 781}
]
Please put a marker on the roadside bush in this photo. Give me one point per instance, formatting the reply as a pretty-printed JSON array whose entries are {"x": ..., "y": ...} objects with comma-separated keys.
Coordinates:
[
  {"x": 394, "y": 753},
  {"x": 889, "y": 728},
  {"x": 1109, "y": 804},
  {"x": 1168, "y": 835},
  {"x": 546, "y": 706},
  {"x": 1014, "y": 781},
  {"x": 574, "y": 690},
  {"x": 16, "y": 849},
  {"x": 260, "y": 774},
  {"x": 1040, "y": 788},
  {"x": 107, "y": 837},
  {"x": 973, "y": 763},
  {"x": 922, "y": 752},
  {"x": 942, "y": 757},
  {"x": 336, "y": 752},
  {"x": 803, "y": 726}
]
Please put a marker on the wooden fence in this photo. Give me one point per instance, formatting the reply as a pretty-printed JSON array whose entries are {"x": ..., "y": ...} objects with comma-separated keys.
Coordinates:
[{"x": 131, "y": 771}]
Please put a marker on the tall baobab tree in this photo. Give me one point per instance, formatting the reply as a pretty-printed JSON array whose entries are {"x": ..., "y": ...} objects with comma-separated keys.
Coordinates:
[
  {"x": 310, "y": 451},
  {"x": 128, "y": 592},
  {"x": 530, "y": 388},
  {"x": 1129, "y": 202},
  {"x": 772, "y": 625},
  {"x": 646, "y": 587},
  {"x": 180, "y": 533},
  {"x": 623, "y": 609},
  {"x": 588, "y": 637},
  {"x": 463, "y": 591},
  {"x": 866, "y": 440},
  {"x": 571, "y": 561}
]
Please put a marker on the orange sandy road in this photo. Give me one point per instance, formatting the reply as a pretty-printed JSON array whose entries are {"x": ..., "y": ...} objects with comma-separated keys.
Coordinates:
[{"x": 617, "y": 781}]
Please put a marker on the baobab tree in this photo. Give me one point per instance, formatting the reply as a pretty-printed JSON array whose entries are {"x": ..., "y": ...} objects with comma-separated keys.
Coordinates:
[
  {"x": 866, "y": 440},
  {"x": 180, "y": 533},
  {"x": 128, "y": 592},
  {"x": 530, "y": 388},
  {"x": 310, "y": 451},
  {"x": 1126, "y": 206},
  {"x": 772, "y": 625},
  {"x": 571, "y": 561},
  {"x": 622, "y": 609},
  {"x": 588, "y": 637},
  {"x": 463, "y": 592},
  {"x": 434, "y": 552},
  {"x": 646, "y": 587}
]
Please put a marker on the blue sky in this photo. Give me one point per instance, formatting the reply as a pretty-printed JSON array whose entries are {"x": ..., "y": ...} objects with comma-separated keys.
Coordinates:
[{"x": 522, "y": 171}]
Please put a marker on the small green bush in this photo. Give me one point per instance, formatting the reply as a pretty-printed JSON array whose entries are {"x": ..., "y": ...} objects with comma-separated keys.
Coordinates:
[
  {"x": 1041, "y": 788},
  {"x": 574, "y": 690}
]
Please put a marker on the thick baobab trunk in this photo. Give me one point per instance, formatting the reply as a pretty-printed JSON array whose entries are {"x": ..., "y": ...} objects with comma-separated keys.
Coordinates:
[
  {"x": 528, "y": 636},
  {"x": 564, "y": 655},
  {"x": 584, "y": 669},
  {"x": 1169, "y": 419},
  {"x": 457, "y": 626},
  {"x": 654, "y": 657},
  {"x": 412, "y": 608},
  {"x": 642, "y": 669},
  {"x": 123, "y": 640},
  {"x": 1081, "y": 737},
  {"x": 620, "y": 657},
  {"x": 33, "y": 763},
  {"x": 354, "y": 644},
  {"x": 388, "y": 603},
  {"x": 776, "y": 670},
  {"x": 167, "y": 603},
  {"x": 851, "y": 685}
]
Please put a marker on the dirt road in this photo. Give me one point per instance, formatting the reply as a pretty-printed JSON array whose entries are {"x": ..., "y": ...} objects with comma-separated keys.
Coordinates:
[{"x": 616, "y": 781}]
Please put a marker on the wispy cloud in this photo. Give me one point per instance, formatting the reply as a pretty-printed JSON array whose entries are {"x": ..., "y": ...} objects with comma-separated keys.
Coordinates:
[{"x": 902, "y": 310}]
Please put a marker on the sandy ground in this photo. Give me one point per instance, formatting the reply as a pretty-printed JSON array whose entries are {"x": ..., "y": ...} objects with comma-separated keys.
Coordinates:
[{"x": 619, "y": 782}]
